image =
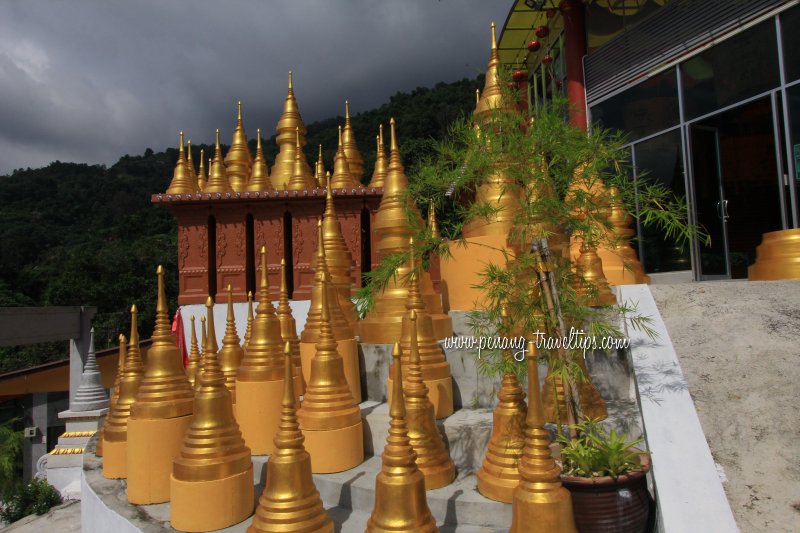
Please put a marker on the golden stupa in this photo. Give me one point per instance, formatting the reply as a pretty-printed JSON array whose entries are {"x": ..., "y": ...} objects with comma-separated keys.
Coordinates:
[
  {"x": 193, "y": 365},
  {"x": 189, "y": 161},
  {"x": 211, "y": 486},
  {"x": 319, "y": 171},
  {"x": 290, "y": 503},
  {"x": 329, "y": 415},
  {"x": 289, "y": 332},
  {"x": 382, "y": 324},
  {"x": 777, "y": 257},
  {"x": 381, "y": 164},
  {"x": 621, "y": 265},
  {"x": 302, "y": 178},
  {"x": 259, "y": 176},
  {"x": 115, "y": 436},
  {"x": 433, "y": 459},
  {"x": 354, "y": 160},
  {"x": 123, "y": 352},
  {"x": 259, "y": 383},
  {"x": 249, "y": 329},
  {"x": 433, "y": 364},
  {"x": 231, "y": 354},
  {"x": 338, "y": 258},
  {"x": 342, "y": 179},
  {"x": 182, "y": 182},
  {"x": 202, "y": 178},
  {"x": 400, "y": 502},
  {"x": 160, "y": 414},
  {"x": 498, "y": 476},
  {"x": 539, "y": 497},
  {"x": 217, "y": 175},
  {"x": 203, "y": 334},
  {"x": 288, "y": 124},
  {"x": 238, "y": 160},
  {"x": 343, "y": 333}
]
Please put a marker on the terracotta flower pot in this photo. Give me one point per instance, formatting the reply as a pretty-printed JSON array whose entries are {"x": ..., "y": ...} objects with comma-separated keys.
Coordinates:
[{"x": 608, "y": 505}]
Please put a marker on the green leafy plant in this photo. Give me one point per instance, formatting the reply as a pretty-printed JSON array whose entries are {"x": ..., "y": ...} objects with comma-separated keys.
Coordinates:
[
  {"x": 37, "y": 497},
  {"x": 594, "y": 452},
  {"x": 11, "y": 441}
]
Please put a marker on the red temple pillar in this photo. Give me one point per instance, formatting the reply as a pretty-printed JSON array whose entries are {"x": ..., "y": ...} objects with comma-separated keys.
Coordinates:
[
  {"x": 268, "y": 231},
  {"x": 574, "y": 13},
  {"x": 230, "y": 252},
  {"x": 304, "y": 245},
  {"x": 192, "y": 254}
]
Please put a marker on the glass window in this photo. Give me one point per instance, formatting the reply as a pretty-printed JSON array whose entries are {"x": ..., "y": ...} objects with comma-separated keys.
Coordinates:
[
  {"x": 642, "y": 110},
  {"x": 660, "y": 159},
  {"x": 793, "y": 94},
  {"x": 738, "y": 68},
  {"x": 790, "y": 21}
]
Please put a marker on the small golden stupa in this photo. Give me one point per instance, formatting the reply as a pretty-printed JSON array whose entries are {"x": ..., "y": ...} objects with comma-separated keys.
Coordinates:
[
  {"x": 259, "y": 176},
  {"x": 182, "y": 182},
  {"x": 160, "y": 414},
  {"x": 289, "y": 332},
  {"x": 217, "y": 175},
  {"x": 238, "y": 160},
  {"x": 203, "y": 335},
  {"x": 231, "y": 354},
  {"x": 777, "y": 257},
  {"x": 346, "y": 344},
  {"x": 433, "y": 364},
  {"x": 342, "y": 179},
  {"x": 211, "y": 486},
  {"x": 381, "y": 164},
  {"x": 400, "y": 502},
  {"x": 329, "y": 415},
  {"x": 382, "y": 324},
  {"x": 354, "y": 160},
  {"x": 189, "y": 162},
  {"x": 433, "y": 458},
  {"x": 288, "y": 125},
  {"x": 338, "y": 258},
  {"x": 319, "y": 172},
  {"x": 620, "y": 262},
  {"x": 259, "y": 383},
  {"x": 115, "y": 436},
  {"x": 290, "y": 503},
  {"x": 539, "y": 497},
  {"x": 123, "y": 352},
  {"x": 193, "y": 365},
  {"x": 202, "y": 178},
  {"x": 302, "y": 178},
  {"x": 249, "y": 329},
  {"x": 498, "y": 476}
]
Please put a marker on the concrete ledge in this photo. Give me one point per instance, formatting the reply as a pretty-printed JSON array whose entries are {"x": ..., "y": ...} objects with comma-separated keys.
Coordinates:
[{"x": 689, "y": 493}]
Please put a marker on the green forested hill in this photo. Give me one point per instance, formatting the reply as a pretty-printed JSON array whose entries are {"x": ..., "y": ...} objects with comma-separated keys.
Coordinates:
[{"x": 77, "y": 234}]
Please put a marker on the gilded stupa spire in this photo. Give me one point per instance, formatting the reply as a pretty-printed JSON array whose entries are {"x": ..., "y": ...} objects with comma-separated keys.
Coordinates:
[
  {"x": 355, "y": 162},
  {"x": 189, "y": 160},
  {"x": 202, "y": 178},
  {"x": 259, "y": 177},
  {"x": 164, "y": 391},
  {"x": 320, "y": 170},
  {"x": 492, "y": 97},
  {"x": 249, "y": 330},
  {"x": 194, "y": 356},
  {"x": 288, "y": 123},
  {"x": 289, "y": 327},
  {"x": 342, "y": 179},
  {"x": 400, "y": 503},
  {"x": 203, "y": 334},
  {"x": 301, "y": 173},
  {"x": 238, "y": 160},
  {"x": 381, "y": 164},
  {"x": 181, "y": 182},
  {"x": 217, "y": 175},
  {"x": 338, "y": 257},
  {"x": 432, "y": 225},
  {"x": 230, "y": 356}
]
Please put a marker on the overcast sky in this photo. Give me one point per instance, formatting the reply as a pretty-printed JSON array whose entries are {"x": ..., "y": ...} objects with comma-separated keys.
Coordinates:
[{"x": 91, "y": 81}]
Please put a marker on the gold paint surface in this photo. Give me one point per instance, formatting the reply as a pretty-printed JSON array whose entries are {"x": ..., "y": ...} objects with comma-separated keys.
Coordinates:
[
  {"x": 289, "y": 330},
  {"x": 342, "y": 179},
  {"x": 202, "y": 178},
  {"x": 259, "y": 176},
  {"x": 286, "y": 130},
  {"x": 319, "y": 171},
  {"x": 238, "y": 160},
  {"x": 193, "y": 365},
  {"x": 182, "y": 182},
  {"x": 338, "y": 258},
  {"x": 355, "y": 162},
  {"x": 116, "y": 425},
  {"x": 231, "y": 354},
  {"x": 217, "y": 174},
  {"x": 777, "y": 257},
  {"x": 381, "y": 164},
  {"x": 301, "y": 173}
]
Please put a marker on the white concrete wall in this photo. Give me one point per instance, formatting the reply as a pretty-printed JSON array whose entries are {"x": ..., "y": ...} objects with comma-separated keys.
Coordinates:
[{"x": 96, "y": 517}]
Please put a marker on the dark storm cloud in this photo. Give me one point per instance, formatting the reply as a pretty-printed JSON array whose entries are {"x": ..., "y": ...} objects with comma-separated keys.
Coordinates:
[{"x": 90, "y": 81}]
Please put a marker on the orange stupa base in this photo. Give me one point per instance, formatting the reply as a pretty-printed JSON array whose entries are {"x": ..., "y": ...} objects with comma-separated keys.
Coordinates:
[
  {"x": 258, "y": 413},
  {"x": 335, "y": 450},
  {"x": 115, "y": 459},
  {"x": 211, "y": 505},
  {"x": 463, "y": 270}
]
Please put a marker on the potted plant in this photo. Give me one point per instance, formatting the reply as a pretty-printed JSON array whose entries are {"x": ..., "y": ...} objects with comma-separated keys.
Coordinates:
[{"x": 607, "y": 476}]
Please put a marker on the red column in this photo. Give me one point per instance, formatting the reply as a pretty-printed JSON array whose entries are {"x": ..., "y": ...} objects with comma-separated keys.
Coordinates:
[
  {"x": 268, "y": 232},
  {"x": 192, "y": 254},
  {"x": 574, "y": 50},
  {"x": 230, "y": 252},
  {"x": 304, "y": 244}
]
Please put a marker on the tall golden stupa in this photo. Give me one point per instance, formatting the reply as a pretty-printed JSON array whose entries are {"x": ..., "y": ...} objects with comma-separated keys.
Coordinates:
[{"x": 290, "y": 125}]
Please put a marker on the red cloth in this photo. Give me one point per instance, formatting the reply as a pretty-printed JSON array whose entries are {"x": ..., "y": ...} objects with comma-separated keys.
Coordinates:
[{"x": 180, "y": 338}]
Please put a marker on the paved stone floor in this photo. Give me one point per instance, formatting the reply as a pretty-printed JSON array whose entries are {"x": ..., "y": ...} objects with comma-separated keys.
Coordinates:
[{"x": 65, "y": 518}]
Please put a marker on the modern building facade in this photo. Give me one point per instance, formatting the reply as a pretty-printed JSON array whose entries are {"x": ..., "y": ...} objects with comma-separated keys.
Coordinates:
[{"x": 707, "y": 93}]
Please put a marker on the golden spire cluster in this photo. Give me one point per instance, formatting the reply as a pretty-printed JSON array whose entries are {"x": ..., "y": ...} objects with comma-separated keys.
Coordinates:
[
  {"x": 381, "y": 165},
  {"x": 355, "y": 162}
]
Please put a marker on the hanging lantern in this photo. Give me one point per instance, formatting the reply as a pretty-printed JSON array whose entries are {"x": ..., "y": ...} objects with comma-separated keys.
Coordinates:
[
  {"x": 542, "y": 31},
  {"x": 547, "y": 59},
  {"x": 534, "y": 45},
  {"x": 519, "y": 75}
]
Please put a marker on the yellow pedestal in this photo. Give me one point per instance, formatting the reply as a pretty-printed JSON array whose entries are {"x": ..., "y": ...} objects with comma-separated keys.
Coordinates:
[
  {"x": 377, "y": 330},
  {"x": 335, "y": 450},
  {"x": 211, "y": 505},
  {"x": 153, "y": 443},
  {"x": 348, "y": 350},
  {"x": 115, "y": 459},
  {"x": 440, "y": 393},
  {"x": 463, "y": 270},
  {"x": 258, "y": 413}
]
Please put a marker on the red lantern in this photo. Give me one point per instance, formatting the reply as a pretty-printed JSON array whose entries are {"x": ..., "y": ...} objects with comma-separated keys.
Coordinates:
[
  {"x": 519, "y": 75},
  {"x": 547, "y": 59},
  {"x": 551, "y": 13},
  {"x": 534, "y": 45},
  {"x": 542, "y": 31}
]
